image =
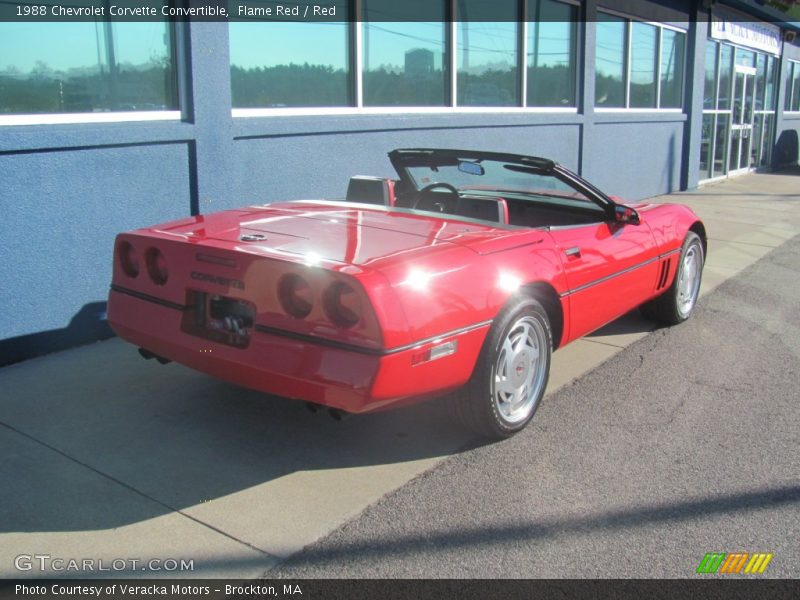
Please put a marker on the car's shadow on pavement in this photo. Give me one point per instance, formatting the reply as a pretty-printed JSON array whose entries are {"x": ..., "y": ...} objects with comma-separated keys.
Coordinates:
[
  {"x": 632, "y": 322},
  {"x": 177, "y": 439},
  {"x": 173, "y": 436}
]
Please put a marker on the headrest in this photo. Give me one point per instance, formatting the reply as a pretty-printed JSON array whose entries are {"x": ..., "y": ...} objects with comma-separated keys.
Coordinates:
[{"x": 372, "y": 190}]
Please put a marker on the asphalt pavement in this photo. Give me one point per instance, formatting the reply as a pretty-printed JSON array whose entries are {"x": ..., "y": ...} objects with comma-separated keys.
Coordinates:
[{"x": 684, "y": 443}]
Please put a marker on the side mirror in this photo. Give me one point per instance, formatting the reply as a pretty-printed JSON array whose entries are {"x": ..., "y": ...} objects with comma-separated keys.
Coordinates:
[{"x": 625, "y": 215}]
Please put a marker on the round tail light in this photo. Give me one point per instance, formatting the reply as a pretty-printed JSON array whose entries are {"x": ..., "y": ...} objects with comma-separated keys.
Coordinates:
[
  {"x": 128, "y": 259},
  {"x": 295, "y": 296},
  {"x": 342, "y": 305},
  {"x": 156, "y": 266}
]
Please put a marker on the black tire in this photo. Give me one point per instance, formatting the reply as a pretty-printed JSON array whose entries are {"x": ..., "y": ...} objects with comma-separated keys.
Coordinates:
[
  {"x": 523, "y": 324},
  {"x": 677, "y": 303}
]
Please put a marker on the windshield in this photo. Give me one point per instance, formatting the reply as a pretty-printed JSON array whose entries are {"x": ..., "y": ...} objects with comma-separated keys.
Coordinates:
[{"x": 483, "y": 176}]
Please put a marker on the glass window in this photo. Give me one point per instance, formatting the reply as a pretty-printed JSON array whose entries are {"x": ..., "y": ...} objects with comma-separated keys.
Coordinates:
[
  {"x": 725, "y": 77},
  {"x": 787, "y": 99},
  {"x": 609, "y": 86},
  {"x": 761, "y": 80},
  {"x": 86, "y": 67},
  {"x": 552, "y": 42},
  {"x": 672, "y": 51},
  {"x": 405, "y": 62},
  {"x": 275, "y": 65},
  {"x": 710, "y": 87},
  {"x": 795, "y": 87},
  {"x": 744, "y": 57},
  {"x": 733, "y": 154},
  {"x": 766, "y": 153},
  {"x": 643, "y": 65},
  {"x": 720, "y": 141},
  {"x": 487, "y": 53},
  {"x": 755, "y": 145},
  {"x": 705, "y": 146},
  {"x": 769, "y": 95}
]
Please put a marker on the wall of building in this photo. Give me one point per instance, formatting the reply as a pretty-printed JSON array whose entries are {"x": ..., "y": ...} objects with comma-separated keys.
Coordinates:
[
  {"x": 62, "y": 203},
  {"x": 67, "y": 190}
]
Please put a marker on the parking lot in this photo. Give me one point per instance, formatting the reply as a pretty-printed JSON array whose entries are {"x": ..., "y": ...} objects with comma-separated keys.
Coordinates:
[{"x": 652, "y": 448}]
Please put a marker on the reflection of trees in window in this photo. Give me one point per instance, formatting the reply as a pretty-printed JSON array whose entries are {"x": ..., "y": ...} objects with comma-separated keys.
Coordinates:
[
  {"x": 627, "y": 61},
  {"x": 111, "y": 73},
  {"x": 492, "y": 87},
  {"x": 383, "y": 87},
  {"x": 552, "y": 45},
  {"x": 487, "y": 53},
  {"x": 404, "y": 63},
  {"x": 45, "y": 90},
  {"x": 609, "y": 91},
  {"x": 710, "y": 86},
  {"x": 643, "y": 65},
  {"x": 292, "y": 63},
  {"x": 551, "y": 86},
  {"x": 672, "y": 59},
  {"x": 725, "y": 77},
  {"x": 610, "y": 61},
  {"x": 289, "y": 85}
]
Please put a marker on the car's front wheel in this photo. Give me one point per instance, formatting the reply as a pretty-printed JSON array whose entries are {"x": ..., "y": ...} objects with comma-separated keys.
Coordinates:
[
  {"x": 677, "y": 303},
  {"x": 512, "y": 371}
]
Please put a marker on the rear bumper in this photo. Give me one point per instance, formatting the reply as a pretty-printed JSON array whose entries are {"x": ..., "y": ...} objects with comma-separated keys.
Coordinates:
[{"x": 299, "y": 369}]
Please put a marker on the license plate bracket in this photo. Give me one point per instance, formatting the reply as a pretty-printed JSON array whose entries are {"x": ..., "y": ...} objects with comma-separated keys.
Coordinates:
[{"x": 219, "y": 318}]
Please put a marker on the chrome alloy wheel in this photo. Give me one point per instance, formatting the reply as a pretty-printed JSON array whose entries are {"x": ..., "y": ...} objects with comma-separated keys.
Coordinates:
[
  {"x": 520, "y": 370},
  {"x": 689, "y": 279}
]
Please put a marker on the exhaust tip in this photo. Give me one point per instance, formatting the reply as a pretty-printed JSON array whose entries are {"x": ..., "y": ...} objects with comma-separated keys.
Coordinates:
[
  {"x": 338, "y": 415},
  {"x": 147, "y": 355}
]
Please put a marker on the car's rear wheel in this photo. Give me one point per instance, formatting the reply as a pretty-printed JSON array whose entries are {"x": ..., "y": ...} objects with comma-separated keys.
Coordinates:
[
  {"x": 677, "y": 303},
  {"x": 511, "y": 375}
]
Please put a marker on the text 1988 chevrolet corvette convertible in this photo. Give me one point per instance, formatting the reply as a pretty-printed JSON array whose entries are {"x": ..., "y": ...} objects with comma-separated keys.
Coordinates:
[{"x": 463, "y": 273}]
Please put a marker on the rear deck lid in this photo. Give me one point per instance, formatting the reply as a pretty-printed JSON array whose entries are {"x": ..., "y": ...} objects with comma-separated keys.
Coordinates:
[{"x": 334, "y": 231}]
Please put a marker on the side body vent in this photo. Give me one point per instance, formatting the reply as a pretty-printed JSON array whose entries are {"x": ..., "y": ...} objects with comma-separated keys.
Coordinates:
[{"x": 663, "y": 276}]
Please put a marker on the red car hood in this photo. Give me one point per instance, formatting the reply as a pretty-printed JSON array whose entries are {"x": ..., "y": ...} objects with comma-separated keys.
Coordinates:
[{"x": 336, "y": 231}]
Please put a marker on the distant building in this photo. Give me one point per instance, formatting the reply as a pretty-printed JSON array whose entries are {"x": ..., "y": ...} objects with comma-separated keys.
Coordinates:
[{"x": 419, "y": 62}]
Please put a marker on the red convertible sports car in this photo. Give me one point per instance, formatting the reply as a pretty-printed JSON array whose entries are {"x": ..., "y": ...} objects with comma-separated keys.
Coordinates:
[{"x": 464, "y": 273}]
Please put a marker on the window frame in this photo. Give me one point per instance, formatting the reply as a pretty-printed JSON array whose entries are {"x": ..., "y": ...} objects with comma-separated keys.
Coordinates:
[
  {"x": 658, "y": 58},
  {"x": 355, "y": 47}
]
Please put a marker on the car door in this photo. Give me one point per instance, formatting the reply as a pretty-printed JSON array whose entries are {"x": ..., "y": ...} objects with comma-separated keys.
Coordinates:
[
  {"x": 610, "y": 269},
  {"x": 611, "y": 266}
]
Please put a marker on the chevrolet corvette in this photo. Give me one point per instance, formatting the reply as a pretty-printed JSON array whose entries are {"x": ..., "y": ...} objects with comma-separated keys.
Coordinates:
[{"x": 459, "y": 277}]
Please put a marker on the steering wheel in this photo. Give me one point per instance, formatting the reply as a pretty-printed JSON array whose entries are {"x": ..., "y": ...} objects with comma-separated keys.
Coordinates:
[{"x": 430, "y": 187}]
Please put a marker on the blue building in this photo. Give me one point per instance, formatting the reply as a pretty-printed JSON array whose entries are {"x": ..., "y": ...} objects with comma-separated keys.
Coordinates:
[{"x": 106, "y": 127}]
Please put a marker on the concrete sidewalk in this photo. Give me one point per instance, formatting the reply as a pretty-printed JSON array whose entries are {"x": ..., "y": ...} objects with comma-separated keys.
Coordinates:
[{"x": 108, "y": 457}]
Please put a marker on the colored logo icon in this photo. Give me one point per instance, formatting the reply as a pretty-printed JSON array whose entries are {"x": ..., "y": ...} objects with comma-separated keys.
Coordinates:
[{"x": 734, "y": 563}]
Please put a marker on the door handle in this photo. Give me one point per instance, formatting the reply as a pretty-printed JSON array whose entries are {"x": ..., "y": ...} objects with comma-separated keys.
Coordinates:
[{"x": 575, "y": 251}]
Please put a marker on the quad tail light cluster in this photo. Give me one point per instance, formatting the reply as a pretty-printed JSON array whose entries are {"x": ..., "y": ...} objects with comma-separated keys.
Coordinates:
[
  {"x": 340, "y": 301},
  {"x": 154, "y": 261}
]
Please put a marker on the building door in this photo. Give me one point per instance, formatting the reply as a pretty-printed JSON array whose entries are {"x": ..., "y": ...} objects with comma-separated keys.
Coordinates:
[{"x": 741, "y": 119}]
